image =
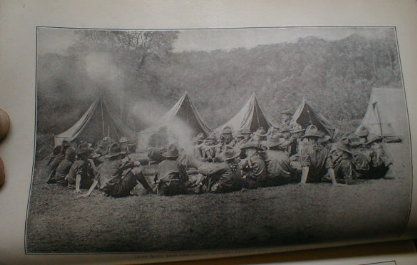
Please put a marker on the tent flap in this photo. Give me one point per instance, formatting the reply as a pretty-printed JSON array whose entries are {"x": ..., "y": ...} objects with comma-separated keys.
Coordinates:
[{"x": 305, "y": 116}]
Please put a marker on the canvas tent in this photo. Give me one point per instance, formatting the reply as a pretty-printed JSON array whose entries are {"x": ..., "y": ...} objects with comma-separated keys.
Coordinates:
[
  {"x": 250, "y": 117},
  {"x": 305, "y": 116},
  {"x": 386, "y": 114},
  {"x": 182, "y": 121},
  {"x": 96, "y": 123}
]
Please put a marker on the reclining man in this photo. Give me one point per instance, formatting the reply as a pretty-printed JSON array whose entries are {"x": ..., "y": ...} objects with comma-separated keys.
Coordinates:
[{"x": 117, "y": 176}]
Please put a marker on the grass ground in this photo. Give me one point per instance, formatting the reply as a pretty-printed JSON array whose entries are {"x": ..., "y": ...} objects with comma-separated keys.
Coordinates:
[{"x": 290, "y": 214}]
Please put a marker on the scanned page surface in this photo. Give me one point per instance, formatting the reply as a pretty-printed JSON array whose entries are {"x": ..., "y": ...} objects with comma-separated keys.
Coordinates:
[
  {"x": 181, "y": 78},
  {"x": 199, "y": 139}
]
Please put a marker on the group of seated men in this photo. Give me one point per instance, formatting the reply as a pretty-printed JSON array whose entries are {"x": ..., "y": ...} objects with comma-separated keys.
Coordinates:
[{"x": 230, "y": 162}]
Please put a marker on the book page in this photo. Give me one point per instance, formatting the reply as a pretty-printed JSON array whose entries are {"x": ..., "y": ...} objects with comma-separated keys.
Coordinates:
[{"x": 178, "y": 129}]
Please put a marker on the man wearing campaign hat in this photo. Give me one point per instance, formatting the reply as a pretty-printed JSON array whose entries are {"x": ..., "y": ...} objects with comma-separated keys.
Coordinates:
[
  {"x": 64, "y": 167},
  {"x": 253, "y": 165},
  {"x": 341, "y": 161},
  {"x": 209, "y": 148},
  {"x": 82, "y": 171},
  {"x": 124, "y": 144},
  {"x": 56, "y": 159},
  {"x": 108, "y": 169},
  {"x": 244, "y": 136},
  {"x": 230, "y": 177},
  {"x": 198, "y": 145},
  {"x": 314, "y": 158},
  {"x": 280, "y": 170},
  {"x": 170, "y": 178},
  {"x": 226, "y": 140}
]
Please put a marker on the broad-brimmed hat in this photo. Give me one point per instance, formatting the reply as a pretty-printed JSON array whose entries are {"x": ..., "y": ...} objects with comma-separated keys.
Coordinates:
[
  {"x": 154, "y": 154},
  {"x": 227, "y": 130},
  {"x": 251, "y": 145},
  {"x": 230, "y": 153},
  {"x": 83, "y": 149},
  {"x": 312, "y": 132},
  {"x": 362, "y": 132},
  {"x": 114, "y": 150},
  {"x": 70, "y": 153},
  {"x": 123, "y": 140},
  {"x": 171, "y": 152},
  {"x": 274, "y": 141},
  {"x": 341, "y": 147}
]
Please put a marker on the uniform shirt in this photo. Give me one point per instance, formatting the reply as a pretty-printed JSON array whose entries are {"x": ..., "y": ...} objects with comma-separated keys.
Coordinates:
[
  {"x": 230, "y": 179},
  {"x": 255, "y": 166},
  {"x": 62, "y": 169},
  {"x": 378, "y": 156},
  {"x": 150, "y": 172},
  {"x": 197, "y": 151},
  {"x": 317, "y": 158},
  {"x": 107, "y": 171},
  {"x": 85, "y": 170},
  {"x": 208, "y": 152},
  {"x": 168, "y": 170},
  {"x": 55, "y": 162}
]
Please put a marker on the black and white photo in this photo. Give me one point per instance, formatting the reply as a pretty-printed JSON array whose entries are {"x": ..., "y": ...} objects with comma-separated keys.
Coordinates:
[{"x": 217, "y": 139}]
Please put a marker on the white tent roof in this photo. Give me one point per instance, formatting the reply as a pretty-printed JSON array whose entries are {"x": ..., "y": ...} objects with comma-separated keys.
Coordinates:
[
  {"x": 94, "y": 124},
  {"x": 386, "y": 114}
]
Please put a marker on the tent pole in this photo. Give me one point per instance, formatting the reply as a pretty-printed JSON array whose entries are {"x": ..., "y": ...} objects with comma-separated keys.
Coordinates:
[
  {"x": 379, "y": 118},
  {"x": 102, "y": 117}
]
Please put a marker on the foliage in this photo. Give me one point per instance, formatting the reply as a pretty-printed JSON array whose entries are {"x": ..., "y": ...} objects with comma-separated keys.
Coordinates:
[{"x": 335, "y": 77}]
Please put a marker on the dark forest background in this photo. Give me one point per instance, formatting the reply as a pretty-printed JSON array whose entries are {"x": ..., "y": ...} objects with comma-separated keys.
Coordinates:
[{"x": 336, "y": 77}]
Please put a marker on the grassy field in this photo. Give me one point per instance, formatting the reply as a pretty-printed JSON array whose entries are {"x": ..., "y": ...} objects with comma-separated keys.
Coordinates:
[{"x": 290, "y": 214}]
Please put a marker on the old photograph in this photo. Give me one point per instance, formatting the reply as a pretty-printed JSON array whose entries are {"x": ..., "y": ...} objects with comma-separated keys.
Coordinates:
[{"x": 217, "y": 139}]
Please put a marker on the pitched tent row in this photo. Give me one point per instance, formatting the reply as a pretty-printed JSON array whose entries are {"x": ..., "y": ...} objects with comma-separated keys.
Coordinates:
[{"x": 381, "y": 118}]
